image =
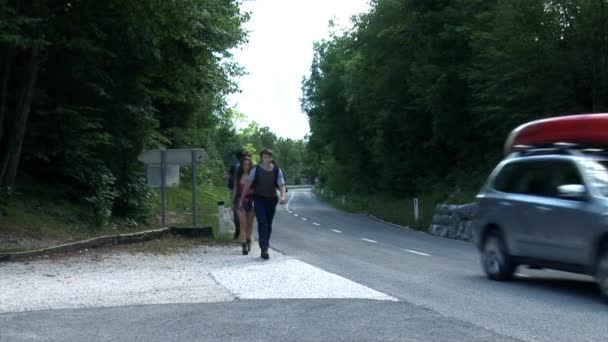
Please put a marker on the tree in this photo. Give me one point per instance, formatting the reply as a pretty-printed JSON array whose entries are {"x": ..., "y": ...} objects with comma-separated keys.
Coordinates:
[{"x": 87, "y": 85}]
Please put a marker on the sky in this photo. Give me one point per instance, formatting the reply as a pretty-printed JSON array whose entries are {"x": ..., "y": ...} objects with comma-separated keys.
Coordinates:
[{"x": 278, "y": 56}]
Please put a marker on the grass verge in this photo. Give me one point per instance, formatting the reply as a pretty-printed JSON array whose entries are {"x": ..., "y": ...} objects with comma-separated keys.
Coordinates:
[
  {"x": 179, "y": 206},
  {"x": 35, "y": 219}
]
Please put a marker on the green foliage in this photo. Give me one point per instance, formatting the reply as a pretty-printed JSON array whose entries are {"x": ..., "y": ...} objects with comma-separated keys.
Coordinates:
[
  {"x": 118, "y": 78},
  {"x": 418, "y": 98},
  {"x": 102, "y": 199},
  {"x": 179, "y": 205},
  {"x": 291, "y": 155}
]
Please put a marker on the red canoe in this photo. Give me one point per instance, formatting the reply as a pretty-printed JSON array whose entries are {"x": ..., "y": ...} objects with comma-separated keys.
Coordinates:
[{"x": 583, "y": 129}]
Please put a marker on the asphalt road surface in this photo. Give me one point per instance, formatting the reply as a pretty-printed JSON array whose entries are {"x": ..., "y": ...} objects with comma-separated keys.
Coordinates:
[
  {"x": 409, "y": 286},
  {"x": 441, "y": 274}
]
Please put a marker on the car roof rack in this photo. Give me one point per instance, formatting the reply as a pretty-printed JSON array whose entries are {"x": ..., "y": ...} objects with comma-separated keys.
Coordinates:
[{"x": 564, "y": 148}]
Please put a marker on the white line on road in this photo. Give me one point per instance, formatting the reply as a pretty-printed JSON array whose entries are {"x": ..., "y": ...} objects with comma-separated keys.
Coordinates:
[
  {"x": 296, "y": 215},
  {"x": 316, "y": 224},
  {"x": 304, "y": 219},
  {"x": 416, "y": 252},
  {"x": 336, "y": 231},
  {"x": 289, "y": 201},
  {"x": 368, "y": 240}
]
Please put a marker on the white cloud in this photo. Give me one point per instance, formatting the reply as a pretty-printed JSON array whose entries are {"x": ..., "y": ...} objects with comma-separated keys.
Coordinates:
[{"x": 279, "y": 55}]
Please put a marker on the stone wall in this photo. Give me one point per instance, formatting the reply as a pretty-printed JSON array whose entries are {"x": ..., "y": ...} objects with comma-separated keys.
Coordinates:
[{"x": 454, "y": 221}]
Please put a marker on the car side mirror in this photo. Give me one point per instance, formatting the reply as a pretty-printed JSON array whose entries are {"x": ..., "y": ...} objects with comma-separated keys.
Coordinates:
[{"x": 572, "y": 191}]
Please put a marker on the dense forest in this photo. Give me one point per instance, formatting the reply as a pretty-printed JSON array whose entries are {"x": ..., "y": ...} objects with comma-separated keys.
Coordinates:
[
  {"x": 421, "y": 93},
  {"x": 87, "y": 85},
  {"x": 418, "y": 95}
]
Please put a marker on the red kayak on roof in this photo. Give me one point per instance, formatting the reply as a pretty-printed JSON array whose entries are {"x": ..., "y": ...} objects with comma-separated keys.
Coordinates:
[{"x": 582, "y": 129}]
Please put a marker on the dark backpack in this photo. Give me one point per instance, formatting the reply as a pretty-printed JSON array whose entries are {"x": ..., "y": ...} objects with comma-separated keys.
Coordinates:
[{"x": 233, "y": 170}]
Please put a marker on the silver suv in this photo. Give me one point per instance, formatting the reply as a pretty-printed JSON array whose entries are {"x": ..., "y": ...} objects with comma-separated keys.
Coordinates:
[{"x": 546, "y": 208}]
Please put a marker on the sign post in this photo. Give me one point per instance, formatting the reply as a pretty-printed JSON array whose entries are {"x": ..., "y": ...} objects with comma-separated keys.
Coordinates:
[
  {"x": 163, "y": 185},
  {"x": 169, "y": 160},
  {"x": 194, "y": 216}
]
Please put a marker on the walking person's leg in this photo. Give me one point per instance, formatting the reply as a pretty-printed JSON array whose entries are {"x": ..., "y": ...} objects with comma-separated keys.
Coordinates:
[
  {"x": 237, "y": 223},
  {"x": 249, "y": 229},
  {"x": 243, "y": 231},
  {"x": 271, "y": 208},
  {"x": 260, "y": 213}
]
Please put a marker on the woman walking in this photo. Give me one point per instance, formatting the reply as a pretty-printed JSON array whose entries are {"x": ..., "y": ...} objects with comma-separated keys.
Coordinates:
[{"x": 245, "y": 211}]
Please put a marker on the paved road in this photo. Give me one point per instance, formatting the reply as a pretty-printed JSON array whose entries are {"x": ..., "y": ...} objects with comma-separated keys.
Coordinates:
[
  {"x": 249, "y": 320},
  {"x": 440, "y": 274},
  {"x": 440, "y": 291}
]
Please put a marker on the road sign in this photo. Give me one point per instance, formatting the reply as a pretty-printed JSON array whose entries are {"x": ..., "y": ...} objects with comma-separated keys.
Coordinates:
[
  {"x": 173, "y": 156},
  {"x": 171, "y": 176},
  {"x": 163, "y": 171}
]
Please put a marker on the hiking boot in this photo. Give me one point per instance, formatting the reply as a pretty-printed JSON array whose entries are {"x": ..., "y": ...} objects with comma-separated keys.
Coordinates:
[
  {"x": 245, "y": 250},
  {"x": 265, "y": 255}
]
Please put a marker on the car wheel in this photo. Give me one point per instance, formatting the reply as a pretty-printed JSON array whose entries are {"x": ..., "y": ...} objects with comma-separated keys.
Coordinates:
[
  {"x": 601, "y": 274},
  {"x": 495, "y": 261}
]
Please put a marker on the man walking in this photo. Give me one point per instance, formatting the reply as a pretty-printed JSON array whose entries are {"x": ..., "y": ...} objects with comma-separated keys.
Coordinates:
[{"x": 265, "y": 179}]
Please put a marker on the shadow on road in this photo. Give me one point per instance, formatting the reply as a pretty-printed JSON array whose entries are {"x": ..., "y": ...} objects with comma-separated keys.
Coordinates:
[{"x": 569, "y": 284}]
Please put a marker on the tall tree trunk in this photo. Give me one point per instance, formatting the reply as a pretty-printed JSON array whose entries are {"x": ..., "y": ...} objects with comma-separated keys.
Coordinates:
[
  {"x": 6, "y": 71},
  {"x": 9, "y": 170},
  {"x": 5, "y": 148}
]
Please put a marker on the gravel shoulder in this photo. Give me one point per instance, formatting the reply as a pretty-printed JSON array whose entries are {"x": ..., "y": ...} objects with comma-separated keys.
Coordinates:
[{"x": 201, "y": 274}]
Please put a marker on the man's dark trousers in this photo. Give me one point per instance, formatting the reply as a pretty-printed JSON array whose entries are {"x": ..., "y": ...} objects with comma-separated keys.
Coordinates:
[{"x": 265, "y": 207}]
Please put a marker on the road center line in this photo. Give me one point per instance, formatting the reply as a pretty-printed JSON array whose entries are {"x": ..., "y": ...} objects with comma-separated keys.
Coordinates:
[
  {"x": 368, "y": 240},
  {"x": 336, "y": 231},
  {"x": 304, "y": 219},
  {"x": 316, "y": 224},
  {"x": 289, "y": 201},
  {"x": 296, "y": 215},
  {"x": 416, "y": 252}
]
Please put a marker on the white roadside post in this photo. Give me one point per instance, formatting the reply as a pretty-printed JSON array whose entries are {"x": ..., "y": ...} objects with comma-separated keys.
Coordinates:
[{"x": 220, "y": 216}]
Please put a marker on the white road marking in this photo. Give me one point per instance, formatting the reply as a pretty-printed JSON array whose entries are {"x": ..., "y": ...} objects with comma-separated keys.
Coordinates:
[
  {"x": 336, "y": 231},
  {"x": 297, "y": 280},
  {"x": 296, "y": 215},
  {"x": 316, "y": 224},
  {"x": 304, "y": 219},
  {"x": 368, "y": 240},
  {"x": 416, "y": 252},
  {"x": 289, "y": 201}
]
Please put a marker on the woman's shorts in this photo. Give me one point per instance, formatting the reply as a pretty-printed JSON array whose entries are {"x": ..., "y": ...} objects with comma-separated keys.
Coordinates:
[{"x": 247, "y": 203}]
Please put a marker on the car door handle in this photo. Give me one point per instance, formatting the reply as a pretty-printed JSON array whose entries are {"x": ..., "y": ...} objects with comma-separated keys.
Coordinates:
[
  {"x": 505, "y": 204},
  {"x": 542, "y": 208}
]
